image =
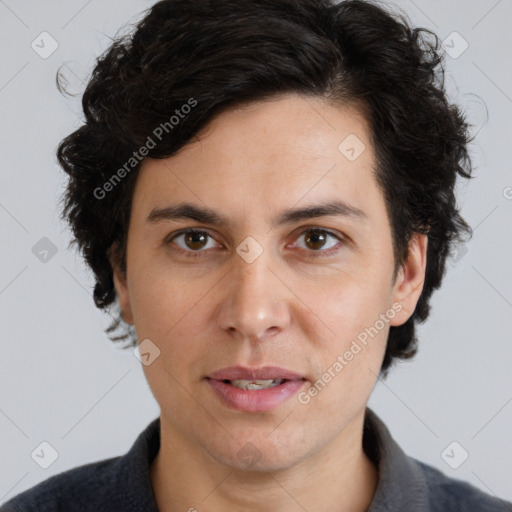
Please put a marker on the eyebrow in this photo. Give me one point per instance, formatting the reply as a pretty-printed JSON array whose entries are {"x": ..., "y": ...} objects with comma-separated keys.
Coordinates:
[{"x": 206, "y": 215}]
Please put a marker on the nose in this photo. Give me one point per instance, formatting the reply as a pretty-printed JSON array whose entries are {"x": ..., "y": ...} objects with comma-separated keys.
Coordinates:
[{"x": 254, "y": 303}]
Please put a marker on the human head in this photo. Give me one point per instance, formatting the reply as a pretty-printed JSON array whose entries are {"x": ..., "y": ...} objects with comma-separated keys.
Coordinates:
[{"x": 237, "y": 52}]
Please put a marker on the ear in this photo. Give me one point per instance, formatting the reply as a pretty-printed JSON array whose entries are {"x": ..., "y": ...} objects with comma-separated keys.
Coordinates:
[
  {"x": 410, "y": 279},
  {"x": 120, "y": 285}
]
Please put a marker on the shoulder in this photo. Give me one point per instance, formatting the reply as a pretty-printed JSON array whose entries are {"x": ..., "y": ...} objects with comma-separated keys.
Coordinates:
[
  {"x": 450, "y": 494},
  {"x": 406, "y": 483},
  {"x": 87, "y": 487},
  {"x": 117, "y": 484}
]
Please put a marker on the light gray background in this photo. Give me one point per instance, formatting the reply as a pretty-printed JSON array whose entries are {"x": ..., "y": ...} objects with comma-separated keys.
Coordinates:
[{"x": 63, "y": 382}]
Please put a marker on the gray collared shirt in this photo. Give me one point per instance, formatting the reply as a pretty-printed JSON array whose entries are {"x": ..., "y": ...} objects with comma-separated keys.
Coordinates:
[{"x": 123, "y": 484}]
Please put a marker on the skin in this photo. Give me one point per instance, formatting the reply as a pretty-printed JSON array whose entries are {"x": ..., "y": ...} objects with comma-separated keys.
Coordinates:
[{"x": 287, "y": 308}]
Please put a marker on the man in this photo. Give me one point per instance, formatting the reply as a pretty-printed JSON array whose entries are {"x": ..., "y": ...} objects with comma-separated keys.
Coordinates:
[{"x": 258, "y": 185}]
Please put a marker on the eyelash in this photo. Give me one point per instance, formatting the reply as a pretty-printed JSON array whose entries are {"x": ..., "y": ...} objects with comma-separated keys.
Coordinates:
[{"x": 314, "y": 254}]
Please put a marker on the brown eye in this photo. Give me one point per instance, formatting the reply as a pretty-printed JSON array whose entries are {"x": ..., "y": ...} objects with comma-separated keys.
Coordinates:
[
  {"x": 319, "y": 242},
  {"x": 315, "y": 240},
  {"x": 193, "y": 241}
]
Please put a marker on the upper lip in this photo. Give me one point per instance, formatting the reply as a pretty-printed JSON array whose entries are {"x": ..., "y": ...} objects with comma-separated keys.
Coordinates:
[{"x": 263, "y": 373}]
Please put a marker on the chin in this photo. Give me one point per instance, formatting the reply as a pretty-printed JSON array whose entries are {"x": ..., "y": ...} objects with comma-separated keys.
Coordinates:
[
  {"x": 260, "y": 454},
  {"x": 261, "y": 463}
]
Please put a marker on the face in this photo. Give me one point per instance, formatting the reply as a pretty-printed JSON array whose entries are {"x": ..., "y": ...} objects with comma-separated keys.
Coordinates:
[{"x": 266, "y": 281}]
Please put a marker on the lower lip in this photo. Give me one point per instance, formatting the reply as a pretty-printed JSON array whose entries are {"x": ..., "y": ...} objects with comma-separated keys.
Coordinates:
[{"x": 255, "y": 400}]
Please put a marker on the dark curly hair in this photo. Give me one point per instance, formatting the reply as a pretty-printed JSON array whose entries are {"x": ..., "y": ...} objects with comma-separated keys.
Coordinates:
[{"x": 216, "y": 55}]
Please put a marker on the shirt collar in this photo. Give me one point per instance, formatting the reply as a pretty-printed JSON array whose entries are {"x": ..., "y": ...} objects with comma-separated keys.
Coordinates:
[
  {"x": 402, "y": 484},
  {"x": 135, "y": 491}
]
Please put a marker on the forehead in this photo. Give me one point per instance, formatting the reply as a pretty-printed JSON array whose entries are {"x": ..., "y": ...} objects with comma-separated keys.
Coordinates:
[
  {"x": 288, "y": 127},
  {"x": 274, "y": 153}
]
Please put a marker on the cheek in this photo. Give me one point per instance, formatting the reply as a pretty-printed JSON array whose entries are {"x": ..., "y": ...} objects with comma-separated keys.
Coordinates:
[
  {"x": 349, "y": 328},
  {"x": 348, "y": 359},
  {"x": 347, "y": 306},
  {"x": 164, "y": 304}
]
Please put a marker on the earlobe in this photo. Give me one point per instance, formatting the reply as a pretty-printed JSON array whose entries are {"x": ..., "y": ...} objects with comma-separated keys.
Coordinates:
[
  {"x": 123, "y": 297},
  {"x": 410, "y": 279},
  {"x": 121, "y": 288}
]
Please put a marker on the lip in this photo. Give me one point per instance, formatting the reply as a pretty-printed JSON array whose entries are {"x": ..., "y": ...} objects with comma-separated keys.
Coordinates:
[
  {"x": 255, "y": 400},
  {"x": 263, "y": 373}
]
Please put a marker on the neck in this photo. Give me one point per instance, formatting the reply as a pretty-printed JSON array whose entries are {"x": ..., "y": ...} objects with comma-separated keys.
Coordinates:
[{"x": 340, "y": 477}]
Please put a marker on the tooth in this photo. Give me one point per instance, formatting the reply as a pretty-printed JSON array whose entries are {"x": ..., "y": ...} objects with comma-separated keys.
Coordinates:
[{"x": 255, "y": 384}]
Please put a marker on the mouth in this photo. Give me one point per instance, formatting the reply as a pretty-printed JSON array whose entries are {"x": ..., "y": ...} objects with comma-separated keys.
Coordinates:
[
  {"x": 254, "y": 384},
  {"x": 255, "y": 390},
  {"x": 236, "y": 373}
]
